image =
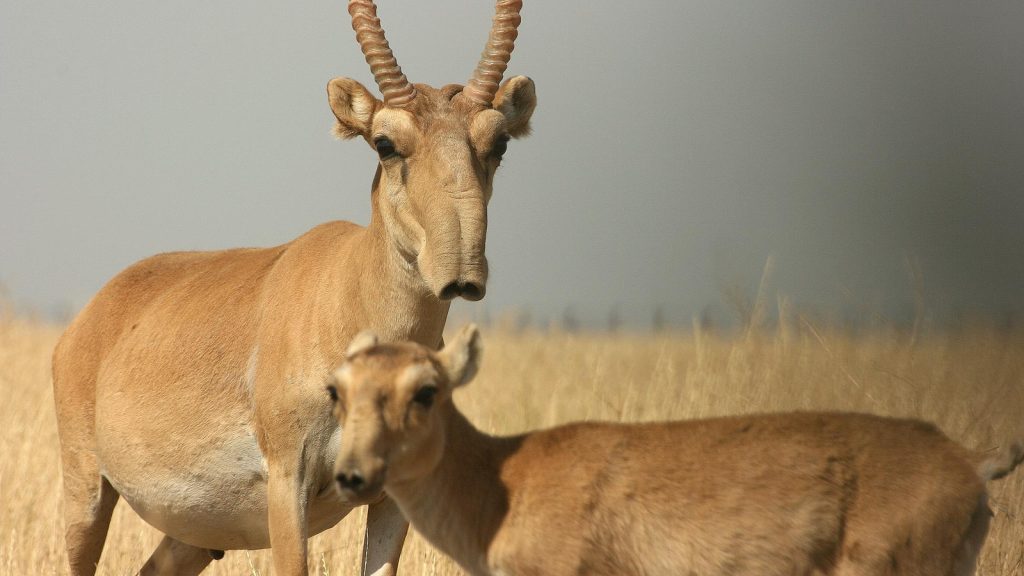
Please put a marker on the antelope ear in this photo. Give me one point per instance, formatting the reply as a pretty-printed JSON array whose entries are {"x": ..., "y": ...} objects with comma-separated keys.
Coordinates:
[
  {"x": 461, "y": 357},
  {"x": 516, "y": 99},
  {"x": 353, "y": 106},
  {"x": 363, "y": 341}
]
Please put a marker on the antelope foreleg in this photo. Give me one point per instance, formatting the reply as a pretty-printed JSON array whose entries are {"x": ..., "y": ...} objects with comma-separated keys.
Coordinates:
[
  {"x": 286, "y": 517},
  {"x": 385, "y": 535}
]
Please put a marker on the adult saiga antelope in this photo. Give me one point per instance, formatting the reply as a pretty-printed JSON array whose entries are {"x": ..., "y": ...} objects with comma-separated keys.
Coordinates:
[
  {"x": 801, "y": 494},
  {"x": 186, "y": 386}
]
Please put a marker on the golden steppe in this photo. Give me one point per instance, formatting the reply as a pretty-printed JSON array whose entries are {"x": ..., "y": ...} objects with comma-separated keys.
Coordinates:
[{"x": 970, "y": 381}]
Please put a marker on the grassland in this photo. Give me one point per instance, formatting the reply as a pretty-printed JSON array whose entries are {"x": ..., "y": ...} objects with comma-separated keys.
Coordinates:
[{"x": 971, "y": 382}]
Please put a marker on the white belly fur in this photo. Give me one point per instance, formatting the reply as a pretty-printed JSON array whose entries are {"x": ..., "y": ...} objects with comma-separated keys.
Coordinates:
[{"x": 219, "y": 501}]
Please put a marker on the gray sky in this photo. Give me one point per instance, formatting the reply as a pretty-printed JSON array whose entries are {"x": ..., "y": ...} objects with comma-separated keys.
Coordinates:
[{"x": 675, "y": 147}]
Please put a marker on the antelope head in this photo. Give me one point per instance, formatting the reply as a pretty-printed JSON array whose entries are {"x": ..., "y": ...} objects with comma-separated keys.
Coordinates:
[
  {"x": 438, "y": 149},
  {"x": 393, "y": 401}
]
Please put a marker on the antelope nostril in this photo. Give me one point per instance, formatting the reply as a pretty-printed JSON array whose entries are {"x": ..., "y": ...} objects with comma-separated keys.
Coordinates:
[
  {"x": 451, "y": 291},
  {"x": 353, "y": 481},
  {"x": 472, "y": 291}
]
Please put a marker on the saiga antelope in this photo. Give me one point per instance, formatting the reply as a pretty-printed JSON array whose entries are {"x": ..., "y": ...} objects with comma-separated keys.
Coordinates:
[
  {"x": 186, "y": 386},
  {"x": 796, "y": 494}
]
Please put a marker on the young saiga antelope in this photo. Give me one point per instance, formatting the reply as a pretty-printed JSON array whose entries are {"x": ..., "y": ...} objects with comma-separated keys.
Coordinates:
[{"x": 786, "y": 494}]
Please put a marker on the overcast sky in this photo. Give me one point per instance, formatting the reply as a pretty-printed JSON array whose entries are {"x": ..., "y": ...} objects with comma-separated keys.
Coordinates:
[{"x": 676, "y": 145}]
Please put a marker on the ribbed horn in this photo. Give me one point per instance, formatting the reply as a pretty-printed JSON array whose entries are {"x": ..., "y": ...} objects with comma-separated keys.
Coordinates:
[
  {"x": 482, "y": 87},
  {"x": 394, "y": 86}
]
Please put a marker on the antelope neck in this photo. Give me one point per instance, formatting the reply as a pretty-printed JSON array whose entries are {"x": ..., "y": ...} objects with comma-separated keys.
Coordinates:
[
  {"x": 399, "y": 302},
  {"x": 460, "y": 505}
]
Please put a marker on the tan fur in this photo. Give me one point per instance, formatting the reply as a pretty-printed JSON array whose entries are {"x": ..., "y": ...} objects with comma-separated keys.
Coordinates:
[
  {"x": 192, "y": 384},
  {"x": 766, "y": 495}
]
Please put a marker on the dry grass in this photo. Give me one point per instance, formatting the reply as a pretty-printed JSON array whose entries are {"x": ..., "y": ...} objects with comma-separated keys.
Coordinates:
[{"x": 971, "y": 383}]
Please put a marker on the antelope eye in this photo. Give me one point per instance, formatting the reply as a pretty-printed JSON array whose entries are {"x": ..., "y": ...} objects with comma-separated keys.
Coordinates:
[
  {"x": 425, "y": 396},
  {"x": 332, "y": 392},
  {"x": 500, "y": 146},
  {"x": 385, "y": 148}
]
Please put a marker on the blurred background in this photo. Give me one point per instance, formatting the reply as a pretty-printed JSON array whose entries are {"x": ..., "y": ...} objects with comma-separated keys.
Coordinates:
[{"x": 860, "y": 160}]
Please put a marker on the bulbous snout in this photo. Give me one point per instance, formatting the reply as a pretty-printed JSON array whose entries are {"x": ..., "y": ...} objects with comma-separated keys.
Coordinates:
[
  {"x": 452, "y": 259},
  {"x": 461, "y": 277}
]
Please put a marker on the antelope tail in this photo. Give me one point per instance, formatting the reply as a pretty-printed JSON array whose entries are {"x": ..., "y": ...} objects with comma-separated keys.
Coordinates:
[{"x": 1003, "y": 463}]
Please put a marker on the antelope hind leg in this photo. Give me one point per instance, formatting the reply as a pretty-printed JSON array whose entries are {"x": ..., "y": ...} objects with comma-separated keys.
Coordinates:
[
  {"x": 974, "y": 539},
  {"x": 173, "y": 557},
  {"x": 89, "y": 502}
]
